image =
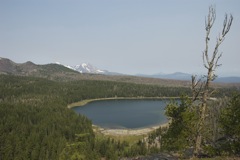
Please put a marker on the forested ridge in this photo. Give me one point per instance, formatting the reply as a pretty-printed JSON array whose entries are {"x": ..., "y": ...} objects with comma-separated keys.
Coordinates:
[{"x": 36, "y": 123}]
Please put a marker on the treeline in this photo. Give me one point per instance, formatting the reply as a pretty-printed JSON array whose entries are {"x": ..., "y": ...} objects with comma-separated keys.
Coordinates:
[
  {"x": 29, "y": 88},
  {"x": 26, "y": 88},
  {"x": 36, "y": 124}
]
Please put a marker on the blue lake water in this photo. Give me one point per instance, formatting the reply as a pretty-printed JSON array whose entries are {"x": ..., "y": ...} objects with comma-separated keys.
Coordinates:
[{"x": 134, "y": 113}]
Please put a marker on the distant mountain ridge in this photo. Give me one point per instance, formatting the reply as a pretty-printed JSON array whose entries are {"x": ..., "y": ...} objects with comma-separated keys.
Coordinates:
[
  {"x": 187, "y": 77},
  {"x": 59, "y": 71},
  {"x": 30, "y": 69}
]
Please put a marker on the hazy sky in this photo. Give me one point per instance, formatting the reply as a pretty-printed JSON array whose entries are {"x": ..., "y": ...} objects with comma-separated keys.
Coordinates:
[{"x": 126, "y": 36}]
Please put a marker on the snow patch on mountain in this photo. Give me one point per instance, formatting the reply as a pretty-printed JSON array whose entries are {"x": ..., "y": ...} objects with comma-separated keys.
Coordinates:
[
  {"x": 85, "y": 68},
  {"x": 69, "y": 67}
]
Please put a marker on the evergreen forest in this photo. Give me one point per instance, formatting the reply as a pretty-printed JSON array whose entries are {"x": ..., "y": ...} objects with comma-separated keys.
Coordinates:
[{"x": 35, "y": 122}]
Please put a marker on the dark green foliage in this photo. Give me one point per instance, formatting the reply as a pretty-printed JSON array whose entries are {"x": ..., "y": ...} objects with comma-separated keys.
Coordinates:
[
  {"x": 38, "y": 132},
  {"x": 180, "y": 134},
  {"x": 80, "y": 148},
  {"x": 221, "y": 134},
  {"x": 35, "y": 122},
  {"x": 108, "y": 148},
  {"x": 230, "y": 123}
]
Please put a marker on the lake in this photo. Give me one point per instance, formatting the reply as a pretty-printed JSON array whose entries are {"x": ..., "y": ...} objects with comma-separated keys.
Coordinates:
[{"x": 125, "y": 113}]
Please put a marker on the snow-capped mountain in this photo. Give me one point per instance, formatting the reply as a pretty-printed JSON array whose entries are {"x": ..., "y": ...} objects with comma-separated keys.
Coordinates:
[{"x": 85, "y": 68}]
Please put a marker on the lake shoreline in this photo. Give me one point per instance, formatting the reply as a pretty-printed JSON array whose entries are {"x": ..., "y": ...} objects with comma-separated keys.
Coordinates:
[
  {"x": 129, "y": 132},
  {"x": 120, "y": 131},
  {"x": 86, "y": 101}
]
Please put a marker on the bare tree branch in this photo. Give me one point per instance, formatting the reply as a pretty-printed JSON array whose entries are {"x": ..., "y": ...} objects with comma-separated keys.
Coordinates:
[
  {"x": 211, "y": 93},
  {"x": 204, "y": 61},
  {"x": 216, "y": 62},
  {"x": 208, "y": 25},
  {"x": 201, "y": 89},
  {"x": 227, "y": 24}
]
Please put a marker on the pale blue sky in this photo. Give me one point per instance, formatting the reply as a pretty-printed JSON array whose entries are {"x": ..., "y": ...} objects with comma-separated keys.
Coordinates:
[{"x": 126, "y": 36}]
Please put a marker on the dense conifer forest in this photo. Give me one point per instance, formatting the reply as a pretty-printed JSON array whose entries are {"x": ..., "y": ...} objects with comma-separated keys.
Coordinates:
[
  {"x": 35, "y": 120},
  {"x": 36, "y": 123}
]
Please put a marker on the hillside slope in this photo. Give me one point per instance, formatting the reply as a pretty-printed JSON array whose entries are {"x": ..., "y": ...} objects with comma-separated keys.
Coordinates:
[
  {"x": 59, "y": 72},
  {"x": 50, "y": 71}
]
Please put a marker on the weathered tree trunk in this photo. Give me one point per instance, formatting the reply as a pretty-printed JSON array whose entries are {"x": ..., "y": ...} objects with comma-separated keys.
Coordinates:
[
  {"x": 201, "y": 89},
  {"x": 201, "y": 122}
]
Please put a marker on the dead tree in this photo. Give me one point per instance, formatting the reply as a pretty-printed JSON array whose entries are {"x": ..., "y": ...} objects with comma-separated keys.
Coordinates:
[{"x": 201, "y": 88}]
